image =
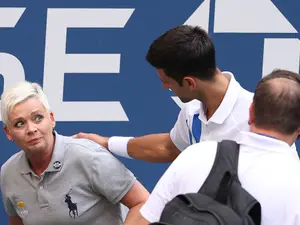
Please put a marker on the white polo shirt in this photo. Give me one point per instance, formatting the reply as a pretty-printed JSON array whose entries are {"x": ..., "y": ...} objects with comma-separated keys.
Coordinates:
[
  {"x": 268, "y": 169},
  {"x": 230, "y": 118}
]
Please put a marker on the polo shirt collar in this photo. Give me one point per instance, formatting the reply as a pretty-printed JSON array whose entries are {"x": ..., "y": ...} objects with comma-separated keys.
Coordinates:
[
  {"x": 266, "y": 143},
  {"x": 57, "y": 159},
  {"x": 227, "y": 104},
  {"x": 24, "y": 164}
]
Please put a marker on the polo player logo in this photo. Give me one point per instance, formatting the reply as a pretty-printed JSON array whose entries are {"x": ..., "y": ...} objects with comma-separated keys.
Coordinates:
[{"x": 73, "y": 212}]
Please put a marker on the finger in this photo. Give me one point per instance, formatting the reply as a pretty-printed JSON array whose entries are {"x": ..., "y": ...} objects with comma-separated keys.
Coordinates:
[{"x": 80, "y": 135}]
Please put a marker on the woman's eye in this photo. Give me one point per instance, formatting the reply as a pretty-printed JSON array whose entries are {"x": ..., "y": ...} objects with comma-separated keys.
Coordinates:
[
  {"x": 19, "y": 124},
  {"x": 38, "y": 118}
]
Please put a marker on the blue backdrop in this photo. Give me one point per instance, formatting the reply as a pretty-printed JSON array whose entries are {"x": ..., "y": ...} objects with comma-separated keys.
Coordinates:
[{"x": 89, "y": 56}]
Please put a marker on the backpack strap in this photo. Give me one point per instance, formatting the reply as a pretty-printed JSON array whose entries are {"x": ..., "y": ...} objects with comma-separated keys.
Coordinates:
[{"x": 223, "y": 172}]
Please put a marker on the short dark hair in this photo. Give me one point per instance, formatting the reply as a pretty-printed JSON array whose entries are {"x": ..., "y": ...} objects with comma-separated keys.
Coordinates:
[
  {"x": 277, "y": 102},
  {"x": 184, "y": 51}
]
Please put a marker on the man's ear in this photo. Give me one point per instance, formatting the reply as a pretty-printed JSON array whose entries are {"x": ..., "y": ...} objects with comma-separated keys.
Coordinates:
[
  {"x": 298, "y": 131},
  {"x": 251, "y": 114},
  {"x": 190, "y": 82}
]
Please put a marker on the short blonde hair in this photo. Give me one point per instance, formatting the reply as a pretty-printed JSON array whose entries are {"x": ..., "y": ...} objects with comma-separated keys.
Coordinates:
[{"x": 19, "y": 93}]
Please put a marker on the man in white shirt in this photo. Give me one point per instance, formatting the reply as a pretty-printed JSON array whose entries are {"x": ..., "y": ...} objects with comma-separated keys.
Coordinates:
[
  {"x": 216, "y": 105},
  {"x": 268, "y": 168}
]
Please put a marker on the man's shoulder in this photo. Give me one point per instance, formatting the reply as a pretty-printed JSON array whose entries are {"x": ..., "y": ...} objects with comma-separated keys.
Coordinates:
[
  {"x": 204, "y": 146},
  {"x": 199, "y": 151},
  {"x": 193, "y": 165}
]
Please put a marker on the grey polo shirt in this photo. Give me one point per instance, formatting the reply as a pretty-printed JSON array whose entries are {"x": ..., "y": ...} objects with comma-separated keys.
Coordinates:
[{"x": 83, "y": 184}]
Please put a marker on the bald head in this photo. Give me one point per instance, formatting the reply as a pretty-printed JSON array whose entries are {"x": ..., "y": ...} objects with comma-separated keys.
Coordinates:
[
  {"x": 277, "y": 102},
  {"x": 283, "y": 88}
]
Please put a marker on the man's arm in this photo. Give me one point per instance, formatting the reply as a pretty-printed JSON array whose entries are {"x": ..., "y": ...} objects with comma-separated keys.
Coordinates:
[
  {"x": 134, "y": 199},
  {"x": 153, "y": 148},
  {"x": 150, "y": 148},
  {"x": 163, "y": 147},
  {"x": 15, "y": 220}
]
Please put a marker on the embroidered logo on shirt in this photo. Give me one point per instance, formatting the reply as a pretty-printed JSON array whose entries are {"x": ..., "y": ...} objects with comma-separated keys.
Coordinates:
[
  {"x": 21, "y": 206},
  {"x": 73, "y": 212}
]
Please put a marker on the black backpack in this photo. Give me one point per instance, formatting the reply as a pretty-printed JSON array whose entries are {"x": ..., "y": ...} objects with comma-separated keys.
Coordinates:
[{"x": 220, "y": 201}]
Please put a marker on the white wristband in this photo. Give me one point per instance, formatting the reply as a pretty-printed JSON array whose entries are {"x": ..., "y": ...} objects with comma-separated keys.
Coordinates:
[{"x": 118, "y": 145}]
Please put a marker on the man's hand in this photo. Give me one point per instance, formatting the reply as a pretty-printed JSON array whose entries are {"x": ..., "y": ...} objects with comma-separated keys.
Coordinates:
[
  {"x": 103, "y": 141},
  {"x": 150, "y": 148}
]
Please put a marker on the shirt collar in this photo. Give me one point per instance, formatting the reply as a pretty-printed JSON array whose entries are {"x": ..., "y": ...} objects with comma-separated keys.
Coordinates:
[
  {"x": 227, "y": 104},
  {"x": 266, "y": 143},
  {"x": 56, "y": 162},
  {"x": 24, "y": 164}
]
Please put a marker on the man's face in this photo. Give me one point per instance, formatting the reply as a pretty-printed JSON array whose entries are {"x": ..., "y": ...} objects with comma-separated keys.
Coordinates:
[
  {"x": 30, "y": 125},
  {"x": 182, "y": 92}
]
